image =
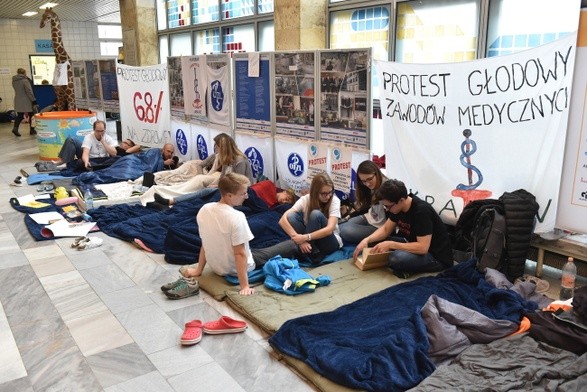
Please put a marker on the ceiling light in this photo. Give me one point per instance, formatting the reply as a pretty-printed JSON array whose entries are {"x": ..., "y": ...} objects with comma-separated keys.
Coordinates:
[
  {"x": 48, "y": 5},
  {"x": 30, "y": 13}
]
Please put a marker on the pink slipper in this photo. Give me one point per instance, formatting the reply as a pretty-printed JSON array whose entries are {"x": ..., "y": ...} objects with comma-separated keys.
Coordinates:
[
  {"x": 224, "y": 324},
  {"x": 192, "y": 333}
]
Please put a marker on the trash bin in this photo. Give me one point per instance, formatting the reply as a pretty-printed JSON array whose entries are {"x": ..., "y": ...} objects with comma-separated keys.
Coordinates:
[{"x": 54, "y": 127}]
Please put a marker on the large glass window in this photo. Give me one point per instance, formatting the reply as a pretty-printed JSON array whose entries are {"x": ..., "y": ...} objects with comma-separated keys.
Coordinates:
[
  {"x": 507, "y": 32},
  {"x": 239, "y": 39},
  {"x": 163, "y": 48},
  {"x": 361, "y": 28},
  {"x": 207, "y": 41},
  {"x": 237, "y": 8},
  {"x": 181, "y": 44},
  {"x": 161, "y": 14},
  {"x": 110, "y": 39},
  {"x": 265, "y": 6},
  {"x": 266, "y": 36},
  {"x": 437, "y": 31},
  {"x": 204, "y": 11},
  {"x": 178, "y": 13}
]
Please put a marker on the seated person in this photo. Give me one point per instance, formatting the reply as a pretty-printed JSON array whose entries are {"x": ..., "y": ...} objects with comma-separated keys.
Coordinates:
[
  {"x": 421, "y": 243},
  {"x": 226, "y": 234},
  {"x": 266, "y": 190},
  {"x": 170, "y": 161}
]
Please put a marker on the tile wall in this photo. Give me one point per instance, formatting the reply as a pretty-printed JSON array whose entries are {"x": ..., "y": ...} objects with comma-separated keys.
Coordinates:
[{"x": 17, "y": 42}]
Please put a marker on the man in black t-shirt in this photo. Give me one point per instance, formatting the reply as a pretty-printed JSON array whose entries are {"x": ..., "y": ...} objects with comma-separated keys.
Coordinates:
[{"x": 413, "y": 232}]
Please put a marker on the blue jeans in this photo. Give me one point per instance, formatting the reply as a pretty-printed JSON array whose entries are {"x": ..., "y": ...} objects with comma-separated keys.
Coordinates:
[
  {"x": 194, "y": 195},
  {"x": 356, "y": 229},
  {"x": 287, "y": 249},
  {"x": 402, "y": 261},
  {"x": 316, "y": 221},
  {"x": 71, "y": 149}
]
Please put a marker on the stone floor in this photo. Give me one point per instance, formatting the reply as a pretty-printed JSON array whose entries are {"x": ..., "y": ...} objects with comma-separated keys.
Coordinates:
[{"x": 96, "y": 320}]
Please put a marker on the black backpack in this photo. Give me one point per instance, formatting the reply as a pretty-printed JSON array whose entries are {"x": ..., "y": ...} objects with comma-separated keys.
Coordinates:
[{"x": 480, "y": 232}]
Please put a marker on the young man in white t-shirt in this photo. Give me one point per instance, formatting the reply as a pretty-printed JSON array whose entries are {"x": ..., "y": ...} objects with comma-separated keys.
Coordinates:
[
  {"x": 225, "y": 235},
  {"x": 97, "y": 144}
]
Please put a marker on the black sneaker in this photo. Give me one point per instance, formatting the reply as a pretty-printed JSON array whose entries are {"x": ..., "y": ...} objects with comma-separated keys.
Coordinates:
[{"x": 16, "y": 133}]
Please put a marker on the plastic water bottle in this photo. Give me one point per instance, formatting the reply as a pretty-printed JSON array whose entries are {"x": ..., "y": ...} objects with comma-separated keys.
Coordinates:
[
  {"x": 89, "y": 199},
  {"x": 568, "y": 279}
]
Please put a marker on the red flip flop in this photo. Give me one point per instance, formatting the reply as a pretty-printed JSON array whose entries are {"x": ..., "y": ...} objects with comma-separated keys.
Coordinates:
[
  {"x": 192, "y": 333},
  {"x": 223, "y": 325}
]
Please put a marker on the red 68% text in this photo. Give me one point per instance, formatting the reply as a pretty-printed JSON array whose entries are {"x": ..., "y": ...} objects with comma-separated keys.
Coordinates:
[{"x": 144, "y": 108}]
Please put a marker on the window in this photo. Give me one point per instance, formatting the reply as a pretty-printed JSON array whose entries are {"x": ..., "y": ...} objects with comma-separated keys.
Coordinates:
[
  {"x": 110, "y": 39},
  {"x": 237, "y": 8},
  {"x": 161, "y": 15},
  {"x": 163, "y": 48},
  {"x": 207, "y": 41},
  {"x": 181, "y": 44},
  {"x": 204, "y": 11},
  {"x": 266, "y": 36},
  {"x": 439, "y": 31},
  {"x": 178, "y": 13},
  {"x": 239, "y": 39},
  {"x": 508, "y": 33},
  {"x": 361, "y": 28}
]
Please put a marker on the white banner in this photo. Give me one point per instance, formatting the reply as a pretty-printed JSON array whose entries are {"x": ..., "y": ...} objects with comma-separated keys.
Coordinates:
[
  {"x": 341, "y": 168},
  {"x": 194, "y": 85},
  {"x": 572, "y": 208},
  {"x": 317, "y": 159},
  {"x": 204, "y": 143},
  {"x": 474, "y": 130},
  {"x": 144, "y": 104},
  {"x": 218, "y": 95},
  {"x": 292, "y": 164},
  {"x": 259, "y": 150},
  {"x": 182, "y": 140}
]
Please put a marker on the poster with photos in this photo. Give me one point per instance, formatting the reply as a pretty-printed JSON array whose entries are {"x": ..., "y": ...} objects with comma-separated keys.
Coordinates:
[
  {"x": 344, "y": 96},
  {"x": 175, "y": 87},
  {"x": 80, "y": 87},
  {"x": 109, "y": 86},
  {"x": 294, "y": 94},
  {"x": 93, "y": 83}
]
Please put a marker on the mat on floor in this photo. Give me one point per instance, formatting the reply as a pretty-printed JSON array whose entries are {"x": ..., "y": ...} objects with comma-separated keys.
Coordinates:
[{"x": 269, "y": 309}]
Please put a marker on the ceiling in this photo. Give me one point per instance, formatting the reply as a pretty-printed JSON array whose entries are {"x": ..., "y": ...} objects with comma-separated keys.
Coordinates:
[{"x": 101, "y": 11}]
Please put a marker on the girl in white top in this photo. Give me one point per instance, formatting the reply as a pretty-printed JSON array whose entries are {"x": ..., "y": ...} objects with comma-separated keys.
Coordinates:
[{"x": 312, "y": 222}]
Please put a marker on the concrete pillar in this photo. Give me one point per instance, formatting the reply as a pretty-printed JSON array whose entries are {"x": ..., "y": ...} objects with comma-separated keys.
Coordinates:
[
  {"x": 139, "y": 32},
  {"x": 300, "y": 24}
]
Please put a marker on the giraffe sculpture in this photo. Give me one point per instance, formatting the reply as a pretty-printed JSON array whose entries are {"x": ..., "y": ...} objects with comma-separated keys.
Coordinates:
[{"x": 65, "y": 93}]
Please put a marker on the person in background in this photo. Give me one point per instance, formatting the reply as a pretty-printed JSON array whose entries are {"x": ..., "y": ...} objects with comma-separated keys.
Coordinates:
[
  {"x": 98, "y": 147},
  {"x": 413, "y": 232},
  {"x": 369, "y": 214},
  {"x": 312, "y": 222},
  {"x": 24, "y": 100},
  {"x": 169, "y": 160}
]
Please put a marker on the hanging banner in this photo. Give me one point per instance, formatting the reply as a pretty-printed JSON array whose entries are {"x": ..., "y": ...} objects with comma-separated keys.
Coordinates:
[
  {"x": 259, "y": 150},
  {"x": 204, "y": 144},
  {"x": 218, "y": 93},
  {"x": 144, "y": 104},
  {"x": 572, "y": 208},
  {"x": 341, "y": 167},
  {"x": 175, "y": 76},
  {"x": 80, "y": 87},
  {"x": 108, "y": 86},
  {"x": 291, "y": 164},
  {"x": 252, "y": 94},
  {"x": 474, "y": 130},
  {"x": 317, "y": 159},
  {"x": 93, "y": 84},
  {"x": 294, "y": 94},
  {"x": 344, "y": 96},
  {"x": 182, "y": 139},
  {"x": 194, "y": 85}
]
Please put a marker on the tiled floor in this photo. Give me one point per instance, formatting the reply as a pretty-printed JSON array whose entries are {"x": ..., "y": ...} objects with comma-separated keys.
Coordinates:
[{"x": 96, "y": 320}]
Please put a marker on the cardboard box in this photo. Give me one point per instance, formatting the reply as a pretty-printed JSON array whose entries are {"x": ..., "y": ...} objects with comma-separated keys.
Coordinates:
[{"x": 368, "y": 260}]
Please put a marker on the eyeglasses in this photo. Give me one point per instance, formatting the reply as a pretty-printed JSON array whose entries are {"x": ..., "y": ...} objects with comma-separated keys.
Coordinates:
[
  {"x": 368, "y": 179},
  {"x": 388, "y": 207},
  {"x": 326, "y": 194}
]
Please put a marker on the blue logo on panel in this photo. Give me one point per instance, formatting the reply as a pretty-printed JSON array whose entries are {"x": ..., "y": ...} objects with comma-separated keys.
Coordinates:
[
  {"x": 181, "y": 141},
  {"x": 295, "y": 164},
  {"x": 217, "y": 95},
  {"x": 202, "y": 147},
  {"x": 256, "y": 160}
]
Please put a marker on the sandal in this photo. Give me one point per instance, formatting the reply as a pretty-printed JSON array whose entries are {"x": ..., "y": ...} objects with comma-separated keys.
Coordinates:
[
  {"x": 223, "y": 325},
  {"x": 192, "y": 333}
]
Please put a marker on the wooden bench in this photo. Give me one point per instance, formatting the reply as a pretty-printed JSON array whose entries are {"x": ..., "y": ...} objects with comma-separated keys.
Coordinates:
[{"x": 563, "y": 246}]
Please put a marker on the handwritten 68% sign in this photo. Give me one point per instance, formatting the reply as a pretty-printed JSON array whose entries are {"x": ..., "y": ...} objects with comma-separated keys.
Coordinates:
[{"x": 144, "y": 108}]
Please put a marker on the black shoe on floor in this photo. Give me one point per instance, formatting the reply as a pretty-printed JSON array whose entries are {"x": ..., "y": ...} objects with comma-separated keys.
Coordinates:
[
  {"x": 16, "y": 133},
  {"x": 33, "y": 132}
]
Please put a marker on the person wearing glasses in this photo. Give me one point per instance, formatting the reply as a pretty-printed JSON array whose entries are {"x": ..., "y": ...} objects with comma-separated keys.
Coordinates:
[
  {"x": 225, "y": 235},
  {"x": 369, "y": 214},
  {"x": 127, "y": 146},
  {"x": 312, "y": 222},
  {"x": 413, "y": 233}
]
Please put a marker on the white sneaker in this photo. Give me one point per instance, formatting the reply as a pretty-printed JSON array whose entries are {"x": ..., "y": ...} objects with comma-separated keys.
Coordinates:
[{"x": 93, "y": 242}]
